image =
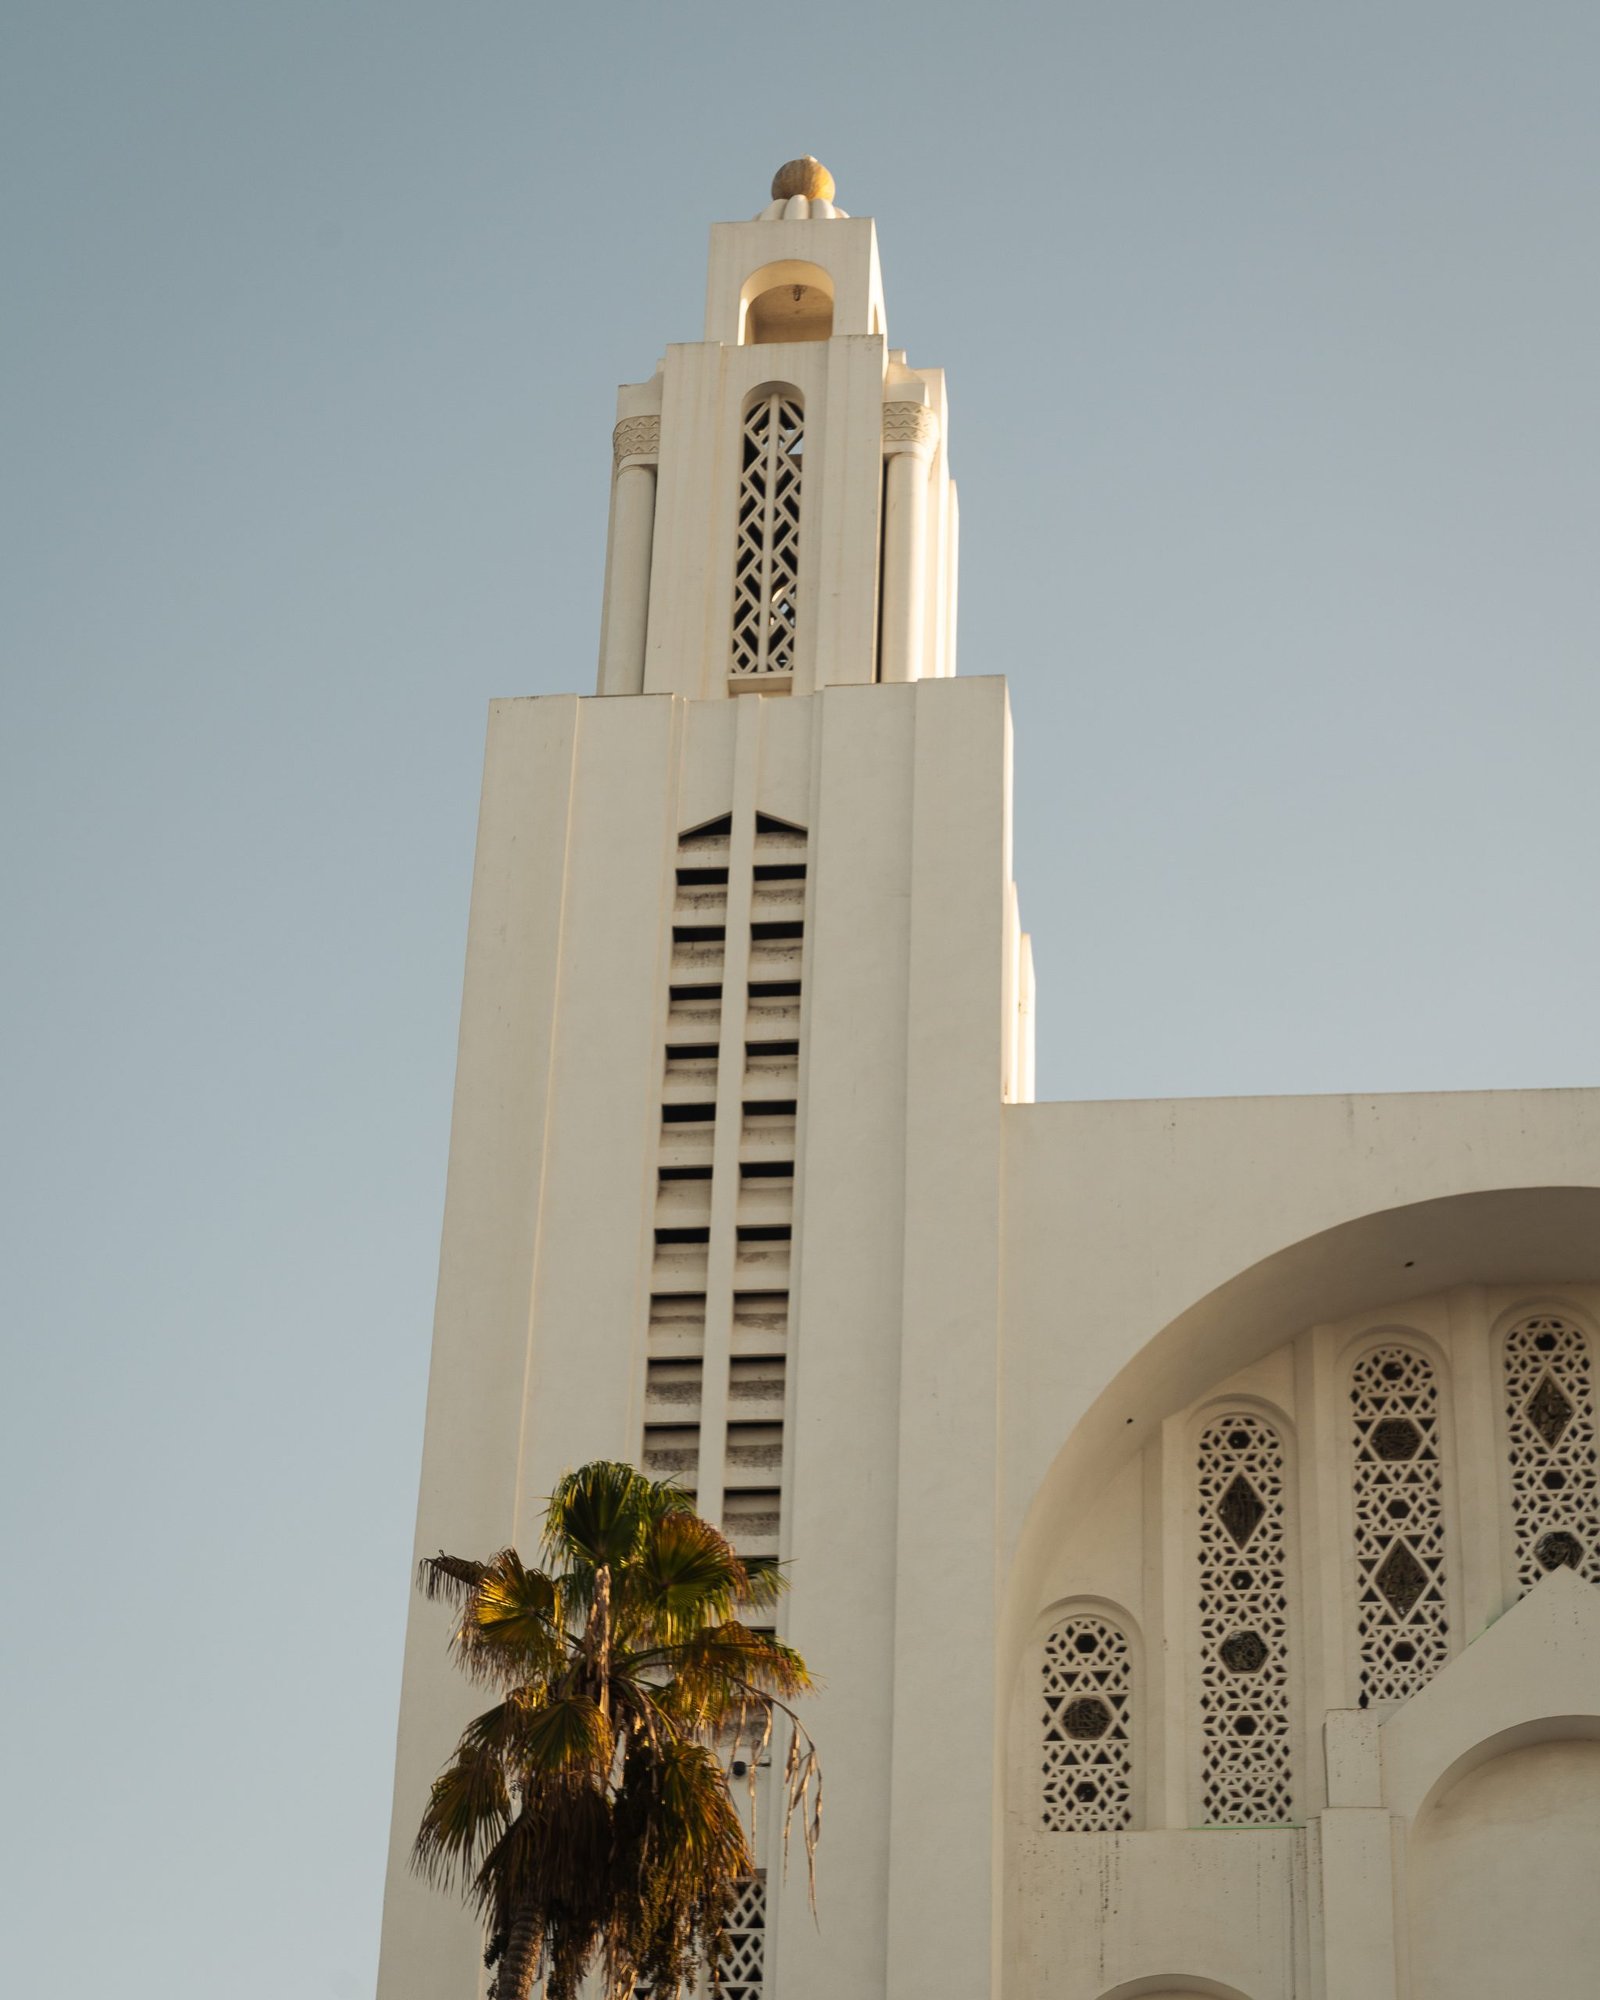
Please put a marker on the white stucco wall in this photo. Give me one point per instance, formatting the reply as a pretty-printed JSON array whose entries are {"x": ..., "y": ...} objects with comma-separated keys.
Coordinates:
[{"x": 1502, "y": 1878}]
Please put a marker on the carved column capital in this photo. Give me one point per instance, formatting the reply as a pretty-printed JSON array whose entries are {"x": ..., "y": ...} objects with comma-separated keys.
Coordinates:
[
  {"x": 909, "y": 427},
  {"x": 635, "y": 438}
]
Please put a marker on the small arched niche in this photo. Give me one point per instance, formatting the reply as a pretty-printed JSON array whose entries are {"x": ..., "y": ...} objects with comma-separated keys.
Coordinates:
[{"x": 784, "y": 302}]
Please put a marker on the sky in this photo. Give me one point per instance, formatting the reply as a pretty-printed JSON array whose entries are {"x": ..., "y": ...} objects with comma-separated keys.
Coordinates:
[{"x": 1271, "y": 333}]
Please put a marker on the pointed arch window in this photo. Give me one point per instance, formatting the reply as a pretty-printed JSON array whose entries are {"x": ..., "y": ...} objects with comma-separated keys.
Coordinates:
[
  {"x": 1088, "y": 1749},
  {"x": 1550, "y": 1425},
  {"x": 1246, "y": 1773},
  {"x": 1402, "y": 1618},
  {"x": 766, "y": 564}
]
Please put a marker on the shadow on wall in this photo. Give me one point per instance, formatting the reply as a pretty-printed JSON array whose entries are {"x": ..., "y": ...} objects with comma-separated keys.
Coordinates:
[
  {"x": 785, "y": 301},
  {"x": 1164, "y": 1986},
  {"x": 1481, "y": 1926}
]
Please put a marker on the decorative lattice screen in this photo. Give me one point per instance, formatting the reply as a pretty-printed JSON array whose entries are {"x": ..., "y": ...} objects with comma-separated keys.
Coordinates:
[
  {"x": 1245, "y": 1766},
  {"x": 1088, "y": 1752},
  {"x": 744, "y": 1967},
  {"x": 1555, "y": 1504},
  {"x": 1402, "y": 1621},
  {"x": 766, "y": 567}
]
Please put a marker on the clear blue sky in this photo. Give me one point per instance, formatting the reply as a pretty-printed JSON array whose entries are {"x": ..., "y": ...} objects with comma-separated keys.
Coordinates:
[{"x": 1273, "y": 337}]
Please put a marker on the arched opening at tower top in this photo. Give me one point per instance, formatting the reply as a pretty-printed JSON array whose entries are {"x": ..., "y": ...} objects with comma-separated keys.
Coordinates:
[
  {"x": 788, "y": 301},
  {"x": 789, "y": 312}
]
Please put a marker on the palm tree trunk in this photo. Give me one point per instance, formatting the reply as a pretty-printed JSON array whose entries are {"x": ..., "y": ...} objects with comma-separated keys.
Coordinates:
[
  {"x": 602, "y": 1605},
  {"x": 519, "y": 1961}
]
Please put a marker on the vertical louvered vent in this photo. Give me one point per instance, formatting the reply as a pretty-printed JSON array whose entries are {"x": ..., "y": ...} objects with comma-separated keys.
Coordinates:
[
  {"x": 722, "y": 1262},
  {"x": 682, "y": 1219},
  {"x": 764, "y": 1229}
]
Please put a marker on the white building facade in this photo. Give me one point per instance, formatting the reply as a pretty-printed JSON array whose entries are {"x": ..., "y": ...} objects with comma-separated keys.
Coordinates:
[{"x": 1192, "y": 1507}]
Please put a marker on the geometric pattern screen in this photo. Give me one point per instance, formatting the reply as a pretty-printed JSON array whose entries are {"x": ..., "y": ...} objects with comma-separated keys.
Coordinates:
[
  {"x": 744, "y": 1964},
  {"x": 1550, "y": 1433},
  {"x": 1403, "y": 1628},
  {"x": 1241, "y": 1675},
  {"x": 1245, "y": 1771},
  {"x": 1088, "y": 1762},
  {"x": 766, "y": 560}
]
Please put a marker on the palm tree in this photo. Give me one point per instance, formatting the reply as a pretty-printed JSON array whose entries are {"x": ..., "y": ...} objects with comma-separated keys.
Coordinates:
[{"x": 587, "y": 1815}]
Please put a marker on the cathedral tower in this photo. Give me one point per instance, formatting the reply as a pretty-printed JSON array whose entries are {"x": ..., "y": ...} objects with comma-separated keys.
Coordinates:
[{"x": 745, "y": 994}]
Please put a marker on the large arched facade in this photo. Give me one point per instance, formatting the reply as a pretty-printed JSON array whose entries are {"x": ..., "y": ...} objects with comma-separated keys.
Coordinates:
[{"x": 1296, "y": 1502}]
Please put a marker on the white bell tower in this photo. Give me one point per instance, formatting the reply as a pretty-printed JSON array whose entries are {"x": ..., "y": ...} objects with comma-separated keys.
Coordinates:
[
  {"x": 745, "y": 994},
  {"x": 783, "y": 517}
]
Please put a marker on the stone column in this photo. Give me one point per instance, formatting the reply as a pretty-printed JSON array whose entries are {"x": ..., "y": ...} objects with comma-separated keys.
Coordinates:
[
  {"x": 910, "y": 435},
  {"x": 635, "y": 447},
  {"x": 1353, "y": 1863}
]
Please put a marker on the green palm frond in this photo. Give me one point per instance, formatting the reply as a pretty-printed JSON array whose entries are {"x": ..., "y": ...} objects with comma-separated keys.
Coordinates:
[
  {"x": 765, "y": 1582},
  {"x": 512, "y": 1625},
  {"x": 596, "y": 1514},
  {"x": 467, "y": 1811},
  {"x": 730, "y": 1661},
  {"x": 687, "y": 1575},
  {"x": 675, "y": 1807},
  {"x": 496, "y": 1732},
  {"x": 563, "y": 1736}
]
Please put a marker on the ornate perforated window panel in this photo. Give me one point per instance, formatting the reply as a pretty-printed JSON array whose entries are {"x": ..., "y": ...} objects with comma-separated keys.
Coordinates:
[
  {"x": 1401, "y": 1616},
  {"x": 1246, "y": 1776},
  {"x": 1088, "y": 1757},
  {"x": 1551, "y": 1434},
  {"x": 745, "y": 1964},
  {"x": 766, "y": 565}
]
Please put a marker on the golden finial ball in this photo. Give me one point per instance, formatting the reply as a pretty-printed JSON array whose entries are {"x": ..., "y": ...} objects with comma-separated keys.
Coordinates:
[{"x": 808, "y": 177}]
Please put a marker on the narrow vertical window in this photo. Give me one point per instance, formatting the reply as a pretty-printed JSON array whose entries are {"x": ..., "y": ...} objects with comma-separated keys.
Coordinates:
[
  {"x": 1399, "y": 1523},
  {"x": 1550, "y": 1427},
  {"x": 679, "y": 1271},
  {"x": 764, "y": 1215},
  {"x": 766, "y": 568},
  {"x": 1245, "y": 1763},
  {"x": 1088, "y": 1760}
]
